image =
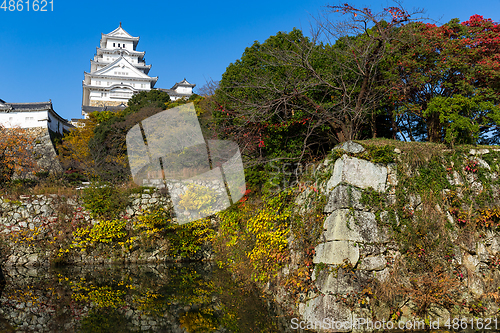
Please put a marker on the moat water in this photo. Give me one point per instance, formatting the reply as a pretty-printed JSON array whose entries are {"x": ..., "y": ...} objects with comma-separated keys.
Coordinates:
[{"x": 139, "y": 298}]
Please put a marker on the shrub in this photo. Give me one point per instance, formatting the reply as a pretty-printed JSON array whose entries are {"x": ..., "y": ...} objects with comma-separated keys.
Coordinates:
[
  {"x": 104, "y": 200},
  {"x": 103, "y": 232},
  {"x": 198, "y": 198},
  {"x": 187, "y": 239}
]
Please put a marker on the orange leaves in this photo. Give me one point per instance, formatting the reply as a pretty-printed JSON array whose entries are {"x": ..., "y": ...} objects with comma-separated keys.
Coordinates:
[
  {"x": 489, "y": 218},
  {"x": 16, "y": 155}
]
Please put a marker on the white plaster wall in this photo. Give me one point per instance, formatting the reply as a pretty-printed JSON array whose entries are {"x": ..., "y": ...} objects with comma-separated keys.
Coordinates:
[
  {"x": 23, "y": 119},
  {"x": 31, "y": 120},
  {"x": 124, "y": 45},
  {"x": 184, "y": 90}
]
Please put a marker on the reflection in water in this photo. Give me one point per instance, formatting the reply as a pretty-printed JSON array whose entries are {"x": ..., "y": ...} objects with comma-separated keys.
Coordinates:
[{"x": 148, "y": 298}]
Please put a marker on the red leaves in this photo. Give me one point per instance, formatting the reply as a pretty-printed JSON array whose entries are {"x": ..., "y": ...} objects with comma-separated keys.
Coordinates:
[
  {"x": 397, "y": 14},
  {"x": 476, "y": 21}
]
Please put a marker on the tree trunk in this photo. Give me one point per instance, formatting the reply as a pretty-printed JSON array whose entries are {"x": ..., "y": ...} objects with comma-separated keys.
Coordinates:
[{"x": 434, "y": 128}]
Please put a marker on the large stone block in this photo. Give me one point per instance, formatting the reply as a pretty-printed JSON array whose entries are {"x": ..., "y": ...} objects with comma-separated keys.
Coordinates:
[
  {"x": 350, "y": 147},
  {"x": 344, "y": 196},
  {"x": 376, "y": 263},
  {"x": 340, "y": 282},
  {"x": 324, "y": 311},
  {"x": 356, "y": 226},
  {"x": 359, "y": 173},
  {"x": 335, "y": 252}
]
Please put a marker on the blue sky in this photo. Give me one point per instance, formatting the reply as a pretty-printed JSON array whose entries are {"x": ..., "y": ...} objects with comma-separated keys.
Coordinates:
[{"x": 43, "y": 55}]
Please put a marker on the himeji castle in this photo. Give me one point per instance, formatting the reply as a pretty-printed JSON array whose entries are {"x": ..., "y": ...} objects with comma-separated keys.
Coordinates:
[{"x": 117, "y": 72}]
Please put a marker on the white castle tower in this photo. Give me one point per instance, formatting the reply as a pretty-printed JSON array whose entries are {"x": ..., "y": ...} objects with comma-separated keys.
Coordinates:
[{"x": 117, "y": 72}]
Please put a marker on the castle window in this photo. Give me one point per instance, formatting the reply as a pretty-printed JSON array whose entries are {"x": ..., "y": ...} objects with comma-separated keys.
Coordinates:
[
  {"x": 113, "y": 44},
  {"x": 118, "y": 44}
]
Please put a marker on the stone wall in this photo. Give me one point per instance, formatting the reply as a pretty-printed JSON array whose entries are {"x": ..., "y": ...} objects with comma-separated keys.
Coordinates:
[
  {"x": 34, "y": 228},
  {"x": 44, "y": 157},
  {"x": 356, "y": 248},
  {"x": 351, "y": 235}
]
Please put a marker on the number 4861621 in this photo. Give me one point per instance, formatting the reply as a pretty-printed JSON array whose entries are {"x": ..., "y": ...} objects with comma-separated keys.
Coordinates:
[{"x": 27, "y": 5}]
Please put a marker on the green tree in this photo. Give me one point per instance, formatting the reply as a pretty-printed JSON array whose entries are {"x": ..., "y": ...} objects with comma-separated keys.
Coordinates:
[
  {"x": 108, "y": 145},
  {"x": 156, "y": 98},
  {"x": 462, "y": 117},
  {"x": 293, "y": 97}
]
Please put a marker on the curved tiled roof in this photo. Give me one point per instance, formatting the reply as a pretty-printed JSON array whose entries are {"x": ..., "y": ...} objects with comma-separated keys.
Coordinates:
[
  {"x": 31, "y": 107},
  {"x": 26, "y": 107},
  {"x": 183, "y": 83},
  {"x": 173, "y": 93}
]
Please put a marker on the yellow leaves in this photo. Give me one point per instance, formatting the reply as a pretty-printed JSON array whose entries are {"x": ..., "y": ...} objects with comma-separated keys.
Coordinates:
[
  {"x": 198, "y": 198},
  {"x": 102, "y": 232},
  {"x": 489, "y": 217},
  {"x": 270, "y": 229},
  {"x": 102, "y": 297}
]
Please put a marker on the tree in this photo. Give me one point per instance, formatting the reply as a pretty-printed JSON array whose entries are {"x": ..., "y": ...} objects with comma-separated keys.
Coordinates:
[
  {"x": 435, "y": 70},
  {"x": 16, "y": 155},
  {"x": 74, "y": 152},
  {"x": 262, "y": 98},
  {"x": 294, "y": 96},
  {"x": 156, "y": 98},
  {"x": 108, "y": 144}
]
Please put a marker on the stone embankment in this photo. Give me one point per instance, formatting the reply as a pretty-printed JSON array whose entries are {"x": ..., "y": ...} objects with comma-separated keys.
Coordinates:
[
  {"x": 369, "y": 205},
  {"x": 357, "y": 251},
  {"x": 35, "y": 229}
]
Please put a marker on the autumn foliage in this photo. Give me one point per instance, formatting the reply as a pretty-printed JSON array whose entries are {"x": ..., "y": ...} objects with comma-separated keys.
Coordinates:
[
  {"x": 363, "y": 74},
  {"x": 74, "y": 152},
  {"x": 16, "y": 156},
  {"x": 444, "y": 80}
]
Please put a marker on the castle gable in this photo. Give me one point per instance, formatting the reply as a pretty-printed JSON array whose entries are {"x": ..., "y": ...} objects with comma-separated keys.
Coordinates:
[
  {"x": 119, "y": 32},
  {"x": 122, "y": 68}
]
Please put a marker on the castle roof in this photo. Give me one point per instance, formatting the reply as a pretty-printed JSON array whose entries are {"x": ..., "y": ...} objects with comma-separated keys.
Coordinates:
[
  {"x": 107, "y": 71},
  {"x": 101, "y": 51},
  {"x": 31, "y": 107},
  {"x": 25, "y": 107},
  {"x": 173, "y": 93},
  {"x": 183, "y": 83},
  {"x": 120, "y": 34}
]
